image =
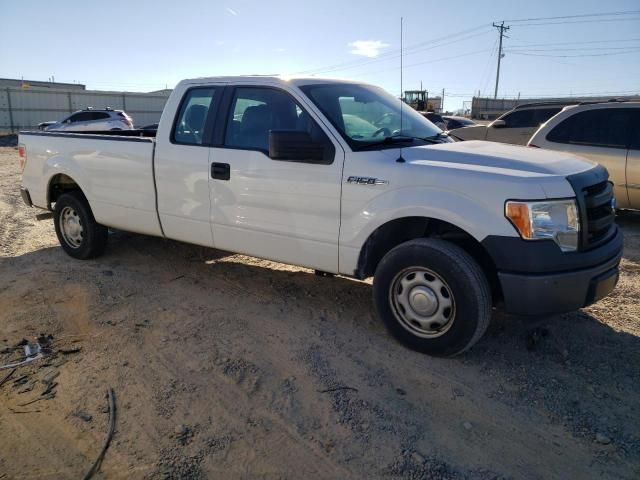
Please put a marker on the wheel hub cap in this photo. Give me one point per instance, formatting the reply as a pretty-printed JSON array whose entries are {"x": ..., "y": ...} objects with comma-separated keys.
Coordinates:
[
  {"x": 422, "y": 302},
  {"x": 71, "y": 227}
]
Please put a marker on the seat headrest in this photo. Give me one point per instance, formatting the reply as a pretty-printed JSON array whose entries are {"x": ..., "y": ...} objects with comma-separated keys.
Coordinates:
[
  {"x": 256, "y": 117},
  {"x": 196, "y": 116}
]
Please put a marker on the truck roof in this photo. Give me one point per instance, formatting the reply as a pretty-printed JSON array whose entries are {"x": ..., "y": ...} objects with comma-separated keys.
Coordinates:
[{"x": 268, "y": 80}]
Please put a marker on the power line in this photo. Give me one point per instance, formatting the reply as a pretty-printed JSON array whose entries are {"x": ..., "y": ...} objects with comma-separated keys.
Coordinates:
[
  {"x": 603, "y": 14},
  {"x": 395, "y": 53},
  {"x": 526, "y": 49},
  {"x": 576, "y": 43},
  {"x": 432, "y": 60},
  {"x": 578, "y": 21},
  {"x": 575, "y": 56},
  {"x": 573, "y": 94},
  {"x": 486, "y": 73},
  {"x": 377, "y": 59}
]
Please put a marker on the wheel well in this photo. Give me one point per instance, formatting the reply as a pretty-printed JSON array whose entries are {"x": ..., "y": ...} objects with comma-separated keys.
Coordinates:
[
  {"x": 401, "y": 230},
  {"x": 60, "y": 184}
]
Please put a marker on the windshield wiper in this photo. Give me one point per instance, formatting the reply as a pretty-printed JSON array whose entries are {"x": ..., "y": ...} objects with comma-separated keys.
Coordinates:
[
  {"x": 390, "y": 141},
  {"x": 435, "y": 138}
]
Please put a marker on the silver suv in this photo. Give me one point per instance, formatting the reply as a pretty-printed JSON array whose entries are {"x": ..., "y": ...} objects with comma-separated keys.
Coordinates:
[{"x": 91, "y": 119}]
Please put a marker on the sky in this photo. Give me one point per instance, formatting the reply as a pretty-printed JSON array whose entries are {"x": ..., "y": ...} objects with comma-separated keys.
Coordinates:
[{"x": 148, "y": 45}]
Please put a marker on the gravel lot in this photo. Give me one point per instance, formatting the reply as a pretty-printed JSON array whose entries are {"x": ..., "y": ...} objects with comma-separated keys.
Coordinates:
[{"x": 226, "y": 366}]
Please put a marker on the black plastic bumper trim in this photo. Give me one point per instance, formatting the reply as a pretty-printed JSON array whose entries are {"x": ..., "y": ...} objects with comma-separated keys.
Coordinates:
[
  {"x": 558, "y": 292},
  {"x": 515, "y": 255}
]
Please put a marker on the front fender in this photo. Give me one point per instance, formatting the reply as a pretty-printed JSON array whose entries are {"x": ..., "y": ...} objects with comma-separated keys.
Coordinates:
[{"x": 478, "y": 218}]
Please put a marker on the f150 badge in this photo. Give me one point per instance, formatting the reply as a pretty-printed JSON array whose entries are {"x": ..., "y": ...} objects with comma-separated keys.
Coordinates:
[{"x": 366, "y": 181}]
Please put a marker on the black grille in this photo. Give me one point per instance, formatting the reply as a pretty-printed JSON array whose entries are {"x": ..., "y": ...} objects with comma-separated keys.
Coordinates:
[{"x": 594, "y": 194}]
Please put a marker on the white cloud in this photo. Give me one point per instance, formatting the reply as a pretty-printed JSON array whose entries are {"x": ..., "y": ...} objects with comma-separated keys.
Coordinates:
[
  {"x": 279, "y": 50},
  {"x": 367, "y": 48},
  {"x": 231, "y": 11}
]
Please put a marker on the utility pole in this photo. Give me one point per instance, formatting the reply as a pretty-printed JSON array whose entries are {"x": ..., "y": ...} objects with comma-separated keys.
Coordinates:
[
  {"x": 442, "y": 102},
  {"x": 502, "y": 29}
]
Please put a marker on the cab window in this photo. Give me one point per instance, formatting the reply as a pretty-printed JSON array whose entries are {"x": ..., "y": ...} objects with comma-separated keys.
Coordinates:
[
  {"x": 257, "y": 110},
  {"x": 519, "y": 119}
]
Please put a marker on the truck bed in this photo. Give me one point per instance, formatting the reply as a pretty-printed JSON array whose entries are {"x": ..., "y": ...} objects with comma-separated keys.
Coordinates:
[{"x": 114, "y": 168}]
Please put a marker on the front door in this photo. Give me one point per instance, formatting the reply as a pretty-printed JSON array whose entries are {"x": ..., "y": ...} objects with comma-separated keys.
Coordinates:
[
  {"x": 280, "y": 210},
  {"x": 520, "y": 125}
]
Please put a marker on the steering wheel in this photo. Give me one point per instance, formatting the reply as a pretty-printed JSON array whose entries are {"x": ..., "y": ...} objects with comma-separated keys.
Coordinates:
[{"x": 385, "y": 130}]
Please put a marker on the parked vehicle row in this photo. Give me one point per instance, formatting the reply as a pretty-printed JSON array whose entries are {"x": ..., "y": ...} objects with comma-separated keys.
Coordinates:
[
  {"x": 607, "y": 133},
  {"x": 514, "y": 127},
  {"x": 336, "y": 176},
  {"x": 448, "y": 122}
]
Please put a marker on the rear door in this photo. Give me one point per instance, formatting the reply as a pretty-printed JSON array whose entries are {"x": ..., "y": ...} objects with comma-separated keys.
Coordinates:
[
  {"x": 182, "y": 165},
  {"x": 633, "y": 161},
  {"x": 281, "y": 210},
  {"x": 520, "y": 125},
  {"x": 100, "y": 121}
]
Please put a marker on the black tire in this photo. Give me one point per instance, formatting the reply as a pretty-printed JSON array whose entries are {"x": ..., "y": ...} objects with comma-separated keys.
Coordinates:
[
  {"x": 92, "y": 240},
  {"x": 462, "y": 281}
]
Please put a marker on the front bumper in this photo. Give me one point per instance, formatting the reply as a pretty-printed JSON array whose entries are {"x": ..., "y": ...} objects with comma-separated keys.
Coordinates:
[
  {"x": 585, "y": 278},
  {"x": 26, "y": 198}
]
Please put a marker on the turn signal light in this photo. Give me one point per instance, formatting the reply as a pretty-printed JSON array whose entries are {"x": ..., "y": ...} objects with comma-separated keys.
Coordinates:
[{"x": 518, "y": 213}]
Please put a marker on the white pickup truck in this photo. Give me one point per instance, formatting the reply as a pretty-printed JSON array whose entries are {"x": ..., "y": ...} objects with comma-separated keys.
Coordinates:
[{"x": 339, "y": 177}]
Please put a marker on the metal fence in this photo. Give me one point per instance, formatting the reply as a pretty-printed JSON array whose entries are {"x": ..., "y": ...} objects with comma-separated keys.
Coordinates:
[{"x": 25, "y": 109}]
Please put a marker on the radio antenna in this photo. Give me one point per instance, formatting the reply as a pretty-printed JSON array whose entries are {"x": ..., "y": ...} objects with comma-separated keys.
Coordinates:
[
  {"x": 400, "y": 159},
  {"x": 401, "y": 90}
]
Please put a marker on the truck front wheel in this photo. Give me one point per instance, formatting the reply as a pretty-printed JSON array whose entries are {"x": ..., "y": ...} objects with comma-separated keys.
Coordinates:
[
  {"x": 432, "y": 296},
  {"x": 78, "y": 232}
]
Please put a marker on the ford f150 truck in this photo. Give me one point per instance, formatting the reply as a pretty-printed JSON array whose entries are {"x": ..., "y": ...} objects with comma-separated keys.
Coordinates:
[{"x": 339, "y": 177}]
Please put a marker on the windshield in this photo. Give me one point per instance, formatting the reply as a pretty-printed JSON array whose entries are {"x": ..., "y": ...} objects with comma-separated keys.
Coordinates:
[{"x": 366, "y": 115}]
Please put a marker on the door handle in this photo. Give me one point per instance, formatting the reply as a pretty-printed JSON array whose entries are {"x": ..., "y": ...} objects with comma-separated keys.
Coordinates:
[{"x": 220, "y": 171}]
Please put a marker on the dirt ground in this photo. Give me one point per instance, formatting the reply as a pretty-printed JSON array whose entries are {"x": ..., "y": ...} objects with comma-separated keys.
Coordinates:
[{"x": 225, "y": 366}]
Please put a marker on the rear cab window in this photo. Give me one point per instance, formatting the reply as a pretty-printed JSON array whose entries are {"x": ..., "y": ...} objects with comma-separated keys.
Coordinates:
[{"x": 191, "y": 123}]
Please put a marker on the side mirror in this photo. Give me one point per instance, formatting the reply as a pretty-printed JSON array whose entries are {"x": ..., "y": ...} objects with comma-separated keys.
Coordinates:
[
  {"x": 498, "y": 124},
  {"x": 297, "y": 146}
]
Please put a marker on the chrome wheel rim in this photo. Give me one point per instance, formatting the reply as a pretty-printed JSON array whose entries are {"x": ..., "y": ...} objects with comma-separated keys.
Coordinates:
[
  {"x": 71, "y": 227},
  {"x": 422, "y": 302}
]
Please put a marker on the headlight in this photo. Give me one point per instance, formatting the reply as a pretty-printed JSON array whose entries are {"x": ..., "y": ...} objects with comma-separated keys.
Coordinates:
[{"x": 554, "y": 219}]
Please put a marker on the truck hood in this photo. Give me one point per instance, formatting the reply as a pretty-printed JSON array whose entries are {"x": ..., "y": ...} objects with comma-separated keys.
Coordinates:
[{"x": 498, "y": 158}]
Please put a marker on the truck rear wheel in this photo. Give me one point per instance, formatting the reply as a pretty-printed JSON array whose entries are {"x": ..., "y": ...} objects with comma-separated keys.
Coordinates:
[
  {"x": 432, "y": 296},
  {"x": 78, "y": 232}
]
